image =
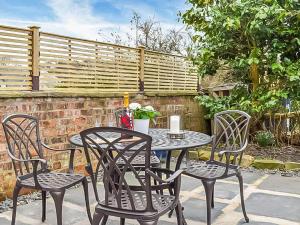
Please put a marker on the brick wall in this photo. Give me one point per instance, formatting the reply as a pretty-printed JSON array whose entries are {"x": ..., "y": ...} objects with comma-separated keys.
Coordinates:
[{"x": 61, "y": 117}]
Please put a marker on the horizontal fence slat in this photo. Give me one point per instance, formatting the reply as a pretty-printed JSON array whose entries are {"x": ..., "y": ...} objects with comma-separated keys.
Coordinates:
[
  {"x": 15, "y": 46},
  {"x": 15, "y": 59},
  {"x": 21, "y": 36},
  {"x": 13, "y": 40},
  {"x": 71, "y": 64}
]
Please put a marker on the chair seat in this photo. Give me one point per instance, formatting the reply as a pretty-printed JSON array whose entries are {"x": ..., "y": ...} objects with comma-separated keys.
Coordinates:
[
  {"x": 209, "y": 170},
  {"x": 53, "y": 180},
  {"x": 139, "y": 160},
  {"x": 160, "y": 202}
]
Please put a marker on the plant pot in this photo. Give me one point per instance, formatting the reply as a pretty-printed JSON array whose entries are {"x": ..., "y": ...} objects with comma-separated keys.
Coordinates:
[{"x": 141, "y": 125}]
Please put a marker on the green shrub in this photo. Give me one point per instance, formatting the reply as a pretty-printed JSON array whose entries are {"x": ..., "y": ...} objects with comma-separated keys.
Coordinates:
[{"x": 264, "y": 138}]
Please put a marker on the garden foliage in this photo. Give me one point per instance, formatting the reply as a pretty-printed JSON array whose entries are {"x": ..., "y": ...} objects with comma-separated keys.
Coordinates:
[{"x": 260, "y": 43}]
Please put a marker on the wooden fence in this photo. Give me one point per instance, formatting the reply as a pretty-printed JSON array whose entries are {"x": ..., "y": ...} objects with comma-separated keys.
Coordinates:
[{"x": 34, "y": 60}]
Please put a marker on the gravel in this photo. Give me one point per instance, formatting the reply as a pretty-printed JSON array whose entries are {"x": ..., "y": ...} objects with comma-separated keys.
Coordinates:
[{"x": 22, "y": 200}]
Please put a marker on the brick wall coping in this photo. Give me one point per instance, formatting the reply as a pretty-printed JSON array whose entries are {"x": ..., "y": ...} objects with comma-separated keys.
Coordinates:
[{"x": 24, "y": 94}]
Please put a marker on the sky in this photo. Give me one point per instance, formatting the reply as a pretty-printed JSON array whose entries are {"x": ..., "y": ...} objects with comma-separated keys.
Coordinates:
[{"x": 85, "y": 18}]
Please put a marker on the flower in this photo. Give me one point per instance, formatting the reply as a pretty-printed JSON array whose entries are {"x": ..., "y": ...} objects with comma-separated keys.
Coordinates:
[
  {"x": 149, "y": 108},
  {"x": 134, "y": 106}
]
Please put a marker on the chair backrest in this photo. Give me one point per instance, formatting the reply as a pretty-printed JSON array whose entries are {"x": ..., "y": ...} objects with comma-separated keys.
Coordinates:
[
  {"x": 124, "y": 118},
  {"x": 107, "y": 145},
  {"x": 231, "y": 132},
  {"x": 23, "y": 140}
]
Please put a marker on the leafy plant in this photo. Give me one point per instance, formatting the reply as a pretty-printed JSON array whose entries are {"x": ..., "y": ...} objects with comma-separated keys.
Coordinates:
[
  {"x": 213, "y": 105},
  {"x": 259, "y": 40},
  {"x": 140, "y": 112},
  {"x": 256, "y": 104},
  {"x": 264, "y": 138}
]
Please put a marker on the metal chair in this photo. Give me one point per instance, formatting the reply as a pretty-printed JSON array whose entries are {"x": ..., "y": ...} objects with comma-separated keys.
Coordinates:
[
  {"x": 128, "y": 190},
  {"x": 139, "y": 159},
  {"x": 230, "y": 139},
  {"x": 26, "y": 150}
]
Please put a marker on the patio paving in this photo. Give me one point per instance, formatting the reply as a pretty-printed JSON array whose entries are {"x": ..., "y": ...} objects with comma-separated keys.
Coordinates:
[{"x": 270, "y": 199}]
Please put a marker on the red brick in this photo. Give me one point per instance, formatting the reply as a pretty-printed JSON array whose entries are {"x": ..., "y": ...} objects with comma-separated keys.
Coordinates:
[{"x": 62, "y": 117}]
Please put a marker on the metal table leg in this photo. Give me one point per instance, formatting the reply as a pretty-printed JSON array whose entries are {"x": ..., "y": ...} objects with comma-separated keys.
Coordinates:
[
  {"x": 180, "y": 158},
  {"x": 177, "y": 167},
  {"x": 168, "y": 160}
]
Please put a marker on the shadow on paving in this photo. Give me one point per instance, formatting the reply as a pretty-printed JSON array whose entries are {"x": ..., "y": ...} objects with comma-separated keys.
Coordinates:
[{"x": 260, "y": 203}]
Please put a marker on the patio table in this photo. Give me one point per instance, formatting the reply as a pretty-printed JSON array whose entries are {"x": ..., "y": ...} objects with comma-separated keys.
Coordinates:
[{"x": 161, "y": 142}]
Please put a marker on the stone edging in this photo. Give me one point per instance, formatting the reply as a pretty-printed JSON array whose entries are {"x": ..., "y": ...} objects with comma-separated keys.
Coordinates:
[{"x": 247, "y": 161}]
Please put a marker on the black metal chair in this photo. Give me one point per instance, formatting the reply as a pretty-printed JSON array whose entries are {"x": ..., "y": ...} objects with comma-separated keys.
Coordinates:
[
  {"x": 230, "y": 139},
  {"x": 26, "y": 150},
  {"x": 129, "y": 192},
  {"x": 139, "y": 159}
]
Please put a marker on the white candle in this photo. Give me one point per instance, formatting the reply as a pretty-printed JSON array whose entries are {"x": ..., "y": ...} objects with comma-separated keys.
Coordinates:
[{"x": 174, "y": 124}]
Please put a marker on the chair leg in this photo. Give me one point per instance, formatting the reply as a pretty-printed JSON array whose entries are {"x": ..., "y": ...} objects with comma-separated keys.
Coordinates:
[
  {"x": 144, "y": 222},
  {"x": 44, "y": 194},
  {"x": 212, "y": 198},
  {"x": 171, "y": 193},
  {"x": 179, "y": 214},
  {"x": 97, "y": 218},
  {"x": 122, "y": 221},
  {"x": 208, "y": 186},
  {"x": 104, "y": 221},
  {"x": 87, "y": 201},
  {"x": 239, "y": 176},
  {"x": 58, "y": 198},
  {"x": 15, "y": 203}
]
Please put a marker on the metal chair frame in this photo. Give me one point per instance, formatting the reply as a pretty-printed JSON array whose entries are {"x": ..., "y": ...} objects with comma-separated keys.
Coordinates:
[
  {"x": 26, "y": 151},
  {"x": 143, "y": 201},
  {"x": 230, "y": 139}
]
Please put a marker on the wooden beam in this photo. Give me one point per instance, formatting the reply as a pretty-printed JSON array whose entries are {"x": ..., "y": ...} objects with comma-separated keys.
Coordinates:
[
  {"x": 35, "y": 57},
  {"x": 142, "y": 69}
]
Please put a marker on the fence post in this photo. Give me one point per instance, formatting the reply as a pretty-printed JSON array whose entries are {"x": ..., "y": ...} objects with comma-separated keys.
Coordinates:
[
  {"x": 142, "y": 68},
  {"x": 35, "y": 54},
  {"x": 198, "y": 84}
]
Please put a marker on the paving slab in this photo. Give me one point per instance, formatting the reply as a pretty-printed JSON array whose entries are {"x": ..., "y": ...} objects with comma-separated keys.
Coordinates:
[
  {"x": 4, "y": 221},
  {"x": 226, "y": 191},
  {"x": 189, "y": 183},
  {"x": 34, "y": 212},
  {"x": 248, "y": 177},
  {"x": 195, "y": 209},
  {"x": 276, "y": 197},
  {"x": 76, "y": 195},
  {"x": 283, "y": 207},
  {"x": 282, "y": 184},
  {"x": 254, "y": 223}
]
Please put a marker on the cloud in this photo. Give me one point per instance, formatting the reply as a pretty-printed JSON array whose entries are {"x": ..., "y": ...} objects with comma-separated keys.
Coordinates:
[{"x": 78, "y": 19}]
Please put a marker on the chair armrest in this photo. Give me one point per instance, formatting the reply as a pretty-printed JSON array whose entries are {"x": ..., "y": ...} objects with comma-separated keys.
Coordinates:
[
  {"x": 228, "y": 154},
  {"x": 72, "y": 154},
  {"x": 26, "y": 160},
  {"x": 171, "y": 179},
  {"x": 60, "y": 150},
  {"x": 35, "y": 163}
]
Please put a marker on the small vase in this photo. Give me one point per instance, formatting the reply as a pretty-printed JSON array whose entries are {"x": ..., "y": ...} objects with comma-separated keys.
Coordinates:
[{"x": 141, "y": 125}]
